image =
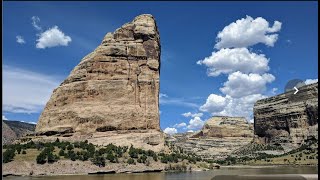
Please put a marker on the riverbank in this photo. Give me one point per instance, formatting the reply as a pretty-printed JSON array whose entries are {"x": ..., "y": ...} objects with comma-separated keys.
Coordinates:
[
  {"x": 68, "y": 167},
  {"x": 268, "y": 166}
]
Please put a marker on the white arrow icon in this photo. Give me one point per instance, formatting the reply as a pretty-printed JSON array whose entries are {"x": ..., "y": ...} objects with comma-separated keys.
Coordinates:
[{"x": 296, "y": 90}]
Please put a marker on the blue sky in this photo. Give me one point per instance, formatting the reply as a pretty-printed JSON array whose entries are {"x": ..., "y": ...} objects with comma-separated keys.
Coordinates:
[{"x": 188, "y": 33}]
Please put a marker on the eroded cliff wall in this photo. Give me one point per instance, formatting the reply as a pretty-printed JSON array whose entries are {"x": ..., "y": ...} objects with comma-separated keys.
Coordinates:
[
  {"x": 219, "y": 137},
  {"x": 288, "y": 118}
]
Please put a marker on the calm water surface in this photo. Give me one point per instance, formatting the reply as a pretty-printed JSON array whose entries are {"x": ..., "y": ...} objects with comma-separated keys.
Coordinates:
[{"x": 202, "y": 175}]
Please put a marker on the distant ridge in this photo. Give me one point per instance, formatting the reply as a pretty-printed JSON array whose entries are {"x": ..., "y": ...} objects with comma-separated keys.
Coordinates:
[{"x": 11, "y": 130}]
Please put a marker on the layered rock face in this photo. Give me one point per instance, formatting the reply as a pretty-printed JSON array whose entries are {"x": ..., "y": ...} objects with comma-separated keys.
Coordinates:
[
  {"x": 287, "y": 119},
  {"x": 223, "y": 126},
  {"x": 219, "y": 137},
  {"x": 116, "y": 87}
]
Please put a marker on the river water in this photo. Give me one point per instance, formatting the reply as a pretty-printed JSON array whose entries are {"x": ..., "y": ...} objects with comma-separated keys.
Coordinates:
[{"x": 200, "y": 175}]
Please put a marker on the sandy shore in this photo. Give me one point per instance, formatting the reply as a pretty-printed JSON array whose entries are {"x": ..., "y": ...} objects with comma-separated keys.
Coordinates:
[{"x": 68, "y": 167}]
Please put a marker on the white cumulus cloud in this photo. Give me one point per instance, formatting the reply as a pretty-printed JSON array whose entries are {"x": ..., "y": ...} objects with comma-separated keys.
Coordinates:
[
  {"x": 20, "y": 40},
  {"x": 214, "y": 103},
  {"x": 4, "y": 117},
  {"x": 51, "y": 38},
  {"x": 240, "y": 84},
  {"x": 242, "y": 106},
  {"x": 310, "y": 81},
  {"x": 226, "y": 61},
  {"x": 247, "y": 71},
  {"x": 195, "y": 123},
  {"x": 25, "y": 91},
  {"x": 247, "y": 32},
  {"x": 170, "y": 131}
]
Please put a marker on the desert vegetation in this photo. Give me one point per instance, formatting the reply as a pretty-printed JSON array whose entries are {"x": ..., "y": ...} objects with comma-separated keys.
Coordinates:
[
  {"x": 51, "y": 152},
  {"x": 253, "y": 155}
]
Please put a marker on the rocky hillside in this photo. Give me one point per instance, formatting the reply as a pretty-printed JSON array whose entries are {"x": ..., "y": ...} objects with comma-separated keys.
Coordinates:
[
  {"x": 223, "y": 126},
  {"x": 288, "y": 119},
  {"x": 219, "y": 137},
  {"x": 11, "y": 130}
]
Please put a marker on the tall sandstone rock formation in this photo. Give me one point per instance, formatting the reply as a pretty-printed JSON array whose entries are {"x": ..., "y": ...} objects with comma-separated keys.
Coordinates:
[
  {"x": 287, "y": 119},
  {"x": 116, "y": 87}
]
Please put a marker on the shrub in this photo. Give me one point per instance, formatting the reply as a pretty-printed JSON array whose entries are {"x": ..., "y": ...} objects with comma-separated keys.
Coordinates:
[
  {"x": 76, "y": 144},
  {"x": 155, "y": 157},
  {"x": 85, "y": 156},
  {"x": 41, "y": 158},
  {"x": 52, "y": 158},
  {"x": 18, "y": 149},
  {"x": 72, "y": 155},
  {"x": 143, "y": 158},
  {"x": 131, "y": 161},
  {"x": 61, "y": 152},
  {"x": 70, "y": 147},
  {"x": 8, "y": 155},
  {"x": 99, "y": 161},
  {"x": 111, "y": 158},
  {"x": 133, "y": 152},
  {"x": 24, "y": 152},
  {"x": 91, "y": 149}
]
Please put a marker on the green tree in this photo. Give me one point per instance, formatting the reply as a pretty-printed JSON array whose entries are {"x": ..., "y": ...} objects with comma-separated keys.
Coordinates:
[
  {"x": 52, "y": 157},
  {"x": 85, "y": 156},
  {"x": 111, "y": 157},
  {"x": 133, "y": 152},
  {"x": 8, "y": 155},
  {"x": 61, "y": 152},
  {"x": 131, "y": 161},
  {"x": 99, "y": 161},
  {"x": 41, "y": 158},
  {"x": 70, "y": 147},
  {"x": 18, "y": 149},
  {"x": 155, "y": 157},
  {"x": 72, "y": 155}
]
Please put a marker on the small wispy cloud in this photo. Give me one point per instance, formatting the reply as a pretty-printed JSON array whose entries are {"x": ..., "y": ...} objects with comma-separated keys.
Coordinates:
[
  {"x": 20, "y": 40},
  {"x": 35, "y": 23},
  {"x": 180, "y": 125},
  {"x": 166, "y": 100},
  {"x": 310, "y": 81},
  {"x": 25, "y": 91}
]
